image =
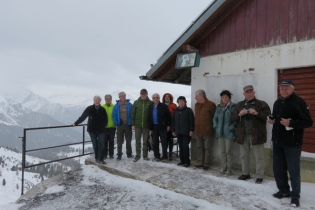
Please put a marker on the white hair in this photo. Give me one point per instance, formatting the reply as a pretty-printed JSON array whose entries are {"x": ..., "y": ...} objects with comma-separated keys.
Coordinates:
[
  {"x": 122, "y": 92},
  {"x": 201, "y": 93},
  {"x": 108, "y": 95},
  {"x": 97, "y": 97}
]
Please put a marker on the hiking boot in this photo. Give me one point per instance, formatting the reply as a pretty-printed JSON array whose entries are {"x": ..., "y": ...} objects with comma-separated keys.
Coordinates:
[
  {"x": 198, "y": 166},
  {"x": 259, "y": 180},
  {"x": 205, "y": 168},
  {"x": 164, "y": 160},
  {"x": 180, "y": 164},
  {"x": 129, "y": 156},
  {"x": 156, "y": 159},
  {"x": 101, "y": 162},
  {"x": 119, "y": 158},
  {"x": 295, "y": 202},
  {"x": 280, "y": 195},
  {"x": 243, "y": 177},
  {"x": 136, "y": 159},
  {"x": 111, "y": 157},
  {"x": 146, "y": 158},
  {"x": 186, "y": 165}
]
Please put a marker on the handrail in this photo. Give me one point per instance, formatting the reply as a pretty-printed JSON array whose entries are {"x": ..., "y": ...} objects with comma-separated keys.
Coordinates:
[{"x": 24, "y": 151}]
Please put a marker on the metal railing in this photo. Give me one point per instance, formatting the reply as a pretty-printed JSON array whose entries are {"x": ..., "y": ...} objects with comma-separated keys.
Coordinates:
[{"x": 24, "y": 151}]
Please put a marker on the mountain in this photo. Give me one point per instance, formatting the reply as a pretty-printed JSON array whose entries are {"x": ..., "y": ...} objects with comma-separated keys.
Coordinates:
[{"x": 14, "y": 118}]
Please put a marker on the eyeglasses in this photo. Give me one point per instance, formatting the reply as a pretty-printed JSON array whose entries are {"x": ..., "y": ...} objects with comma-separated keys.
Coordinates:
[{"x": 155, "y": 97}]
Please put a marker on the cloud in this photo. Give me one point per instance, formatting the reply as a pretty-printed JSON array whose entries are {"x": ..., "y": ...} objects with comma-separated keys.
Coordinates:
[{"x": 77, "y": 49}]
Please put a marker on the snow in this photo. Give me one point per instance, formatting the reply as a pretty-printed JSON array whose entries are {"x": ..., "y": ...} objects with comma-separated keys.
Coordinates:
[
  {"x": 159, "y": 186},
  {"x": 308, "y": 155}
]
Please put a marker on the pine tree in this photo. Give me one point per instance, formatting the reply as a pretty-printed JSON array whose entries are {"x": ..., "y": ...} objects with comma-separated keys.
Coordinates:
[
  {"x": 3, "y": 182},
  {"x": 17, "y": 186}
]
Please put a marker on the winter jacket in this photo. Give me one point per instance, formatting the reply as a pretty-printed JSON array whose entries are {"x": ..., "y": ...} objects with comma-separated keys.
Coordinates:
[
  {"x": 204, "y": 113},
  {"x": 171, "y": 106},
  {"x": 97, "y": 119},
  {"x": 183, "y": 121},
  {"x": 140, "y": 113},
  {"x": 294, "y": 108},
  {"x": 163, "y": 116},
  {"x": 116, "y": 113},
  {"x": 224, "y": 127},
  {"x": 109, "y": 111},
  {"x": 259, "y": 131}
]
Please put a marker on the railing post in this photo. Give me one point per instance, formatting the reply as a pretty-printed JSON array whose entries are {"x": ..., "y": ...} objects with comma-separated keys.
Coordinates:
[
  {"x": 83, "y": 138},
  {"x": 23, "y": 159}
]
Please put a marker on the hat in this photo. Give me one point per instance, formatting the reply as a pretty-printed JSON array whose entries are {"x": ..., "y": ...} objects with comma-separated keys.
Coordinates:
[
  {"x": 286, "y": 82},
  {"x": 248, "y": 87},
  {"x": 143, "y": 91},
  {"x": 181, "y": 98}
]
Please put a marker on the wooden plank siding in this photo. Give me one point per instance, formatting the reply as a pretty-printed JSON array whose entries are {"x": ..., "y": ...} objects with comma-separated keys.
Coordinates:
[
  {"x": 261, "y": 23},
  {"x": 304, "y": 80}
]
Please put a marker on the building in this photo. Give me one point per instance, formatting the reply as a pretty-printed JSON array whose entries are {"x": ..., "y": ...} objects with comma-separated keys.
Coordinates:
[{"x": 241, "y": 42}]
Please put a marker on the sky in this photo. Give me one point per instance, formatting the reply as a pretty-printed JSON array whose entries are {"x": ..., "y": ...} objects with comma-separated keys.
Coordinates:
[{"x": 71, "y": 50}]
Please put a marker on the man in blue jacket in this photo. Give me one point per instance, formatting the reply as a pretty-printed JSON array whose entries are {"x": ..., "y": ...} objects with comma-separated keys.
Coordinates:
[
  {"x": 289, "y": 118},
  {"x": 122, "y": 119}
]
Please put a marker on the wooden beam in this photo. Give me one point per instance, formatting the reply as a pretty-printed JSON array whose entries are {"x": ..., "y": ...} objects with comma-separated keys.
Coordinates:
[
  {"x": 170, "y": 67},
  {"x": 184, "y": 74}
]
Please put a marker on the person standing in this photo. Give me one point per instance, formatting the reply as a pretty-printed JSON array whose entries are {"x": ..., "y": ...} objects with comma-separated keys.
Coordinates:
[
  {"x": 110, "y": 129},
  {"x": 168, "y": 100},
  {"x": 204, "y": 113},
  {"x": 251, "y": 117},
  {"x": 160, "y": 124},
  {"x": 140, "y": 123},
  {"x": 183, "y": 128},
  {"x": 122, "y": 119},
  {"x": 96, "y": 127},
  {"x": 290, "y": 116},
  {"x": 224, "y": 129}
]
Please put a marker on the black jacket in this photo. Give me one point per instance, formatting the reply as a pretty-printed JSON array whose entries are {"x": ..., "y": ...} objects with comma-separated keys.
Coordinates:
[
  {"x": 183, "y": 121},
  {"x": 97, "y": 119},
  {"x": 296, "y": 109},
  {"x": 163, "y": 116}
]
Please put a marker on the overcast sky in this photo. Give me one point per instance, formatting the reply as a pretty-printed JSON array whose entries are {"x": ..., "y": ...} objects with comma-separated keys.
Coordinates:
[{"x": 72, "y": 50}]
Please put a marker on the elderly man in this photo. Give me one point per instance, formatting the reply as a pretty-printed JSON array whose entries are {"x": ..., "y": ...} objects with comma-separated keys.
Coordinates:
[
  {"x": 204, "y": 113},
  {"x": 110, "y": 128},
  {"x": 160, "y": 124},
  {"x": 289, "y": 118},
  {"x": 96, "y": 127},
  {"x": 251, "y": 117},
  {"x": 122, "y": 119},
  {"x": 140, "y": 123}
]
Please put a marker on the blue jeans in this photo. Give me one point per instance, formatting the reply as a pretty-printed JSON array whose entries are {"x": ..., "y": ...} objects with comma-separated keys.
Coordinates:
[
  {"x": 109, "y": 141},
  {"x": 287, "y": 158},
  {"x": 98, "y": 142},
  {"x": 183, "y": 142}
]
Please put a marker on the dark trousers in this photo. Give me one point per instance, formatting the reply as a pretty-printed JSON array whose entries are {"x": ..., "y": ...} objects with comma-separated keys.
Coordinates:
[
  {"x": 98, "y": 142},
  {"x": 170, "y": 141},
  {"x": 287, "y": 159},
  {"x": 183, "y": 142},
  {"x": 109, "y": 141},
  {"x": 124, "y": 131},
  {"x": 159, "y": 133}
]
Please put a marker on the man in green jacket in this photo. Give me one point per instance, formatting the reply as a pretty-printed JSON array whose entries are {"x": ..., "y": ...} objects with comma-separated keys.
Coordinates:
[
  {"x": 110, "y": 128},
  {"x": 140, "y": 123}
]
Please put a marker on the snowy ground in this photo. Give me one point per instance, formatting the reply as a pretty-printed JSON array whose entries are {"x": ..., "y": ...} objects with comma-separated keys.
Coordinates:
[{"x": 155, "y": 185}]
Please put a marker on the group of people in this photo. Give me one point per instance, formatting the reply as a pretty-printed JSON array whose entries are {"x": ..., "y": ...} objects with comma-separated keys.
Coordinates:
[{"x": 244, "y": 123}]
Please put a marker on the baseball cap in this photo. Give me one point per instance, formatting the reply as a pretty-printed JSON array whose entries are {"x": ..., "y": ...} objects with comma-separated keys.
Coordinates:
[
  {"x": 286, "y": 82},
  {"x": 248, "y": 87}
]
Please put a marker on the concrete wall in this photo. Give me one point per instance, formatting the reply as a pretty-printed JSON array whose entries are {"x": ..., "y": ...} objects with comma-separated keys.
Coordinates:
[{"x": 232, "y": 71}]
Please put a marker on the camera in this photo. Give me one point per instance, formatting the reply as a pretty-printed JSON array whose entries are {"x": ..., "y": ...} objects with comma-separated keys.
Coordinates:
[
  {"x": 270, "y": 117},
  {"x": 247, "y": 111}
]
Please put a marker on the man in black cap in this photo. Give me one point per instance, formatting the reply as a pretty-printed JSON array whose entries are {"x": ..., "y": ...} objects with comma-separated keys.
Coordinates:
[
  {"x": 251, "y": 133},
  {"x": 289, "y": 118}
]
